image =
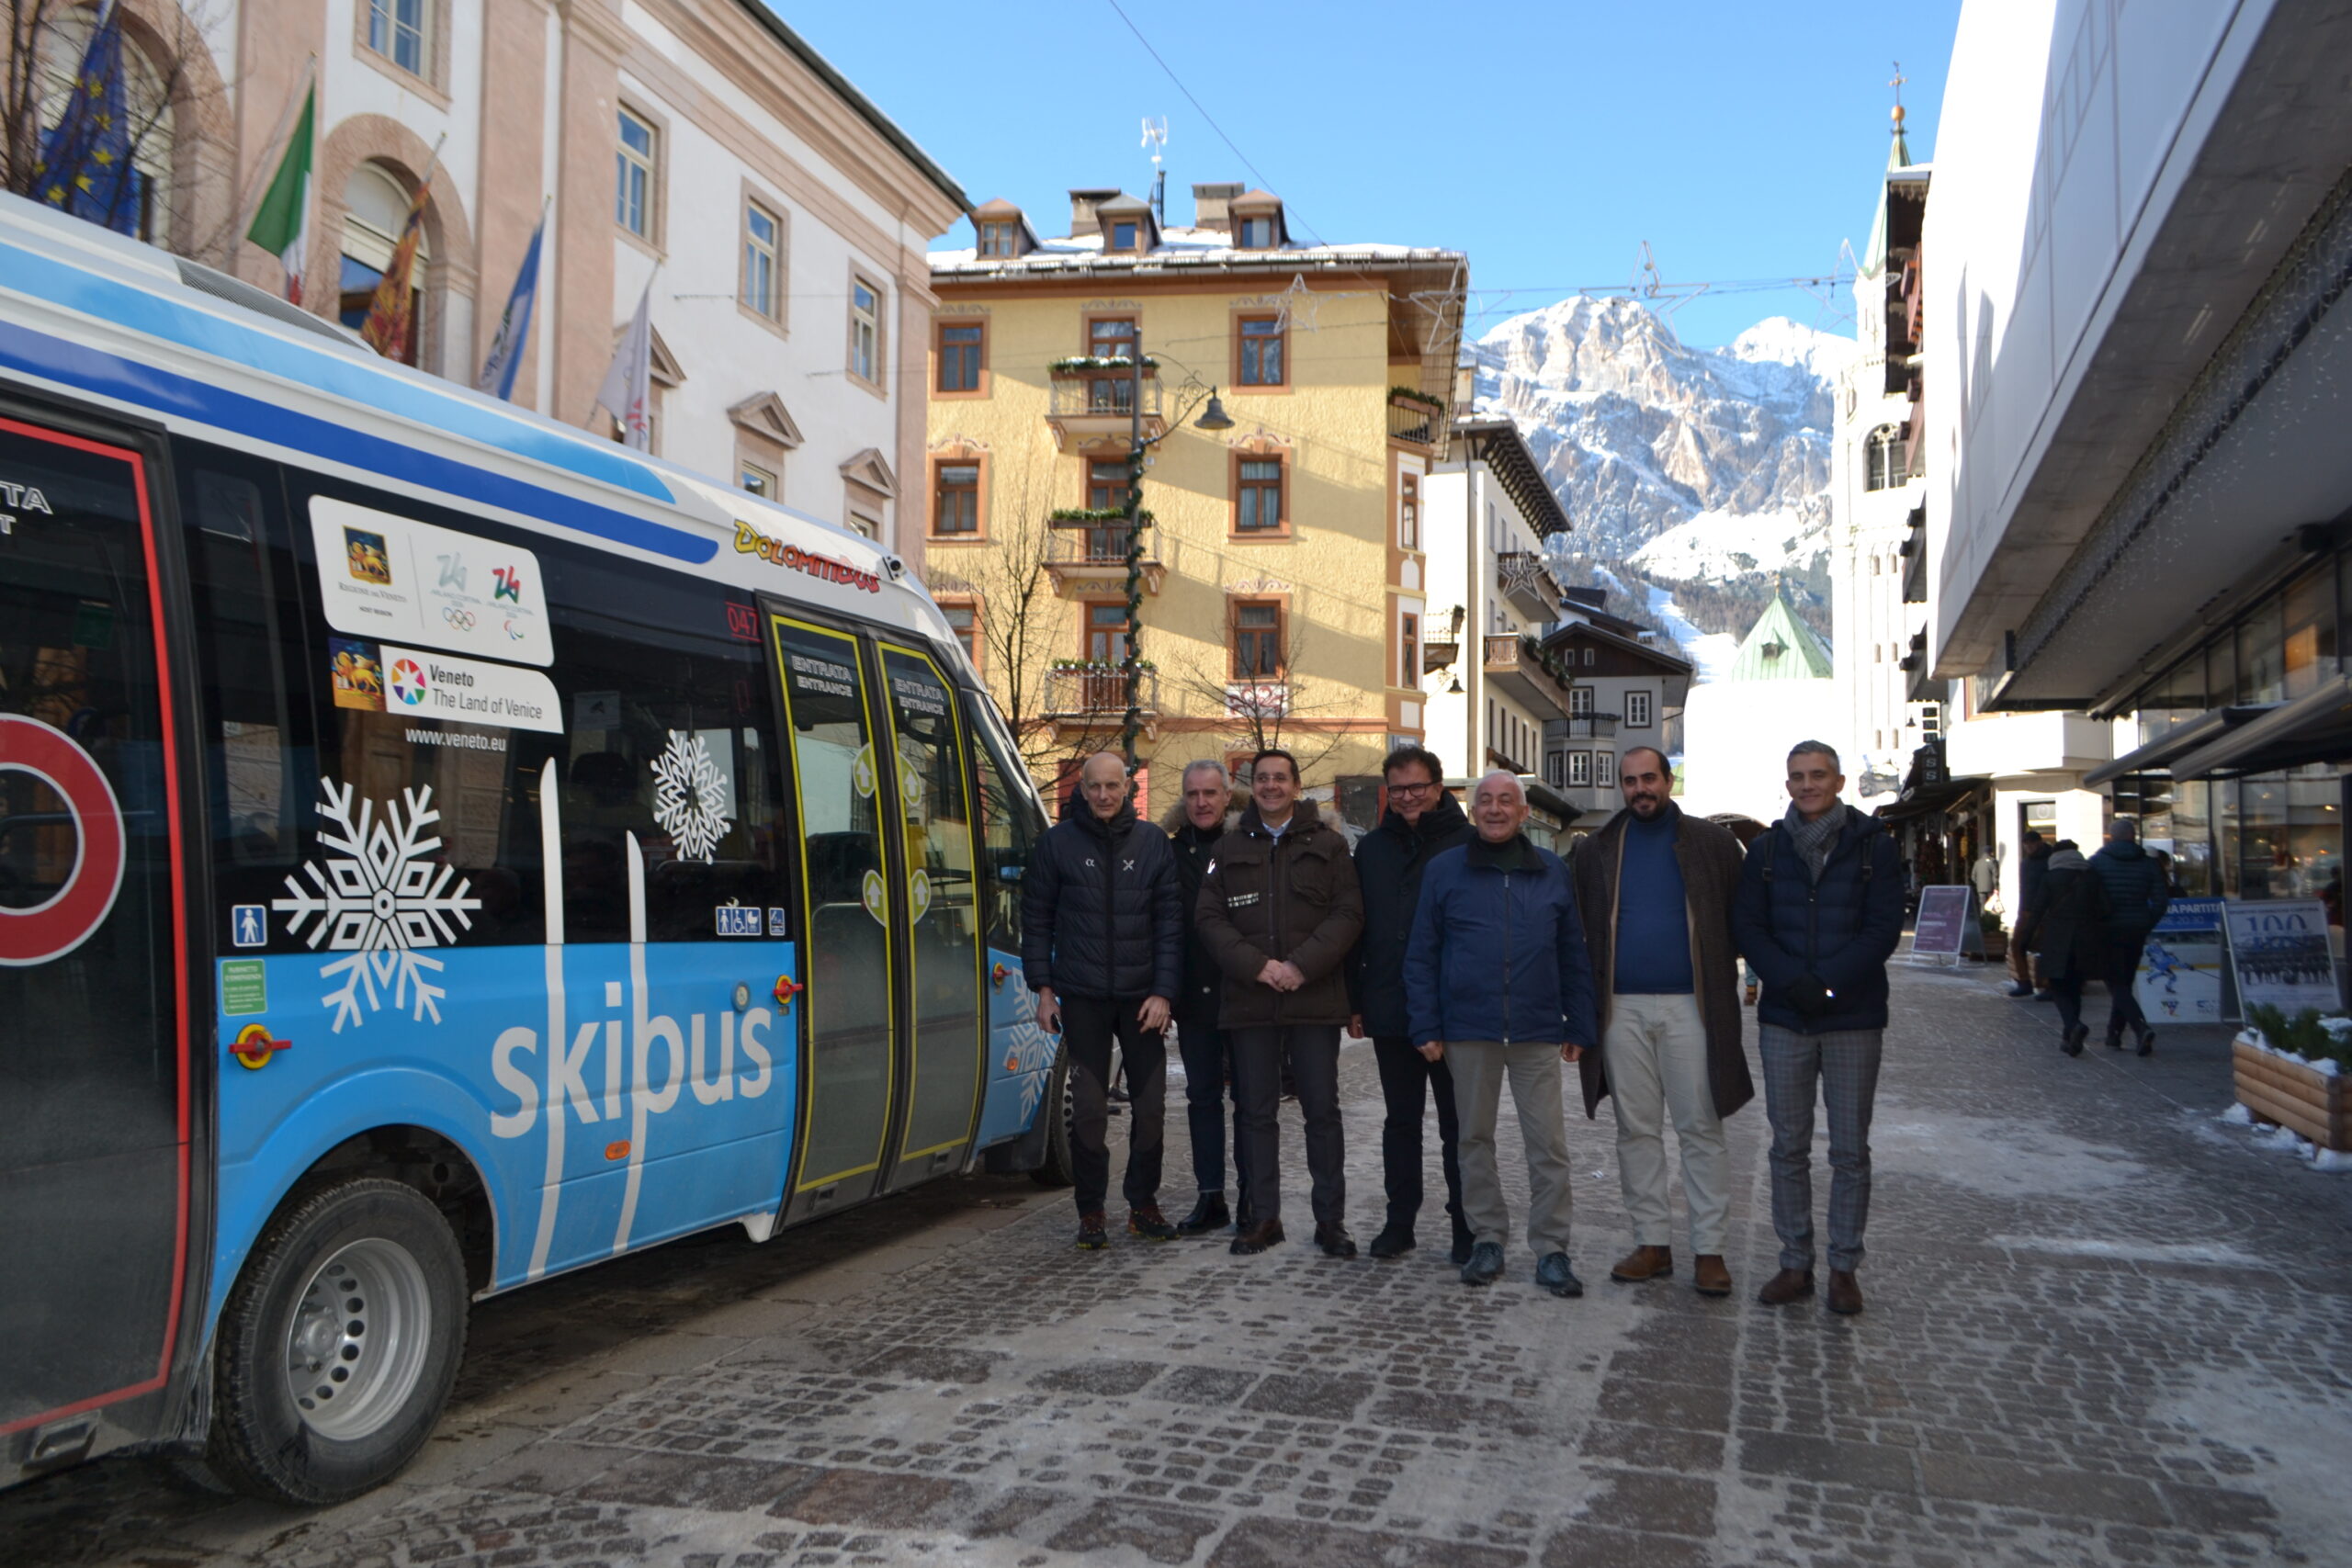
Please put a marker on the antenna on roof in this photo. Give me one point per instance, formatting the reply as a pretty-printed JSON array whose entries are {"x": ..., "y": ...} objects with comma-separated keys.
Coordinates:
[{"x": 1155, "y": 136}]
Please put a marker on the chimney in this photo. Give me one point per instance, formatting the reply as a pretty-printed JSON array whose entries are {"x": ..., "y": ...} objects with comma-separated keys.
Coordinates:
[
  {"x": 1082, "y": 203},
  {"x": 1211, "y": 206}
]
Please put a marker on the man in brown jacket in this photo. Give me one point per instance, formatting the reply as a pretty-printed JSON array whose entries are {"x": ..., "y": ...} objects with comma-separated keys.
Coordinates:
[
  {"x": 1654, "y": 888},
  {"x": 1279, "y": 910}
]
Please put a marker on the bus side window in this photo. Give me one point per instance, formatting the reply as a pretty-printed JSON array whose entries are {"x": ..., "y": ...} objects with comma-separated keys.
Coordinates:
[
  {"x": 248, "y": 626},
  {"x": 1009, "y": 824}
]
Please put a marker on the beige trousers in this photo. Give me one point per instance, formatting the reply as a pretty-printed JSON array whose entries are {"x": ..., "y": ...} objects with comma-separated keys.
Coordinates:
[
  {"x": 1656, "y": 1050},
  {"x": 1479, "y": 1068}
]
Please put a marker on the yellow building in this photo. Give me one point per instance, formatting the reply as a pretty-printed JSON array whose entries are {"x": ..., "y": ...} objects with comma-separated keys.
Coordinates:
[{"x": 1279, "y": 577}]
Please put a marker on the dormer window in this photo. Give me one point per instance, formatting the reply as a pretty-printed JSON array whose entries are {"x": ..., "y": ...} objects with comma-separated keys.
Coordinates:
[
  {"x": 1122, "y": 236},
  {"x": 1000, "y": 239},
  {"x": 1256, "y": 233}
]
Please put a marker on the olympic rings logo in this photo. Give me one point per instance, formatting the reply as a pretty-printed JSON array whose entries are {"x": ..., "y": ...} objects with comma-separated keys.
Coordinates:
[
  {"x": 68, "y": 918},
  {"x": 458, "y": 616}
]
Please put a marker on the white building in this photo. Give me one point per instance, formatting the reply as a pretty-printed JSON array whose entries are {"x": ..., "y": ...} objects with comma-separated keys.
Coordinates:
[
  {"x": 1626, "y": 689},
  {"x": 1778, "y": 690}
]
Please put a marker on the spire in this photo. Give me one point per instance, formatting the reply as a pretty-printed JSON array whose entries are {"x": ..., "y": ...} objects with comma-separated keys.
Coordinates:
[{"x": 1898, "y": 156}]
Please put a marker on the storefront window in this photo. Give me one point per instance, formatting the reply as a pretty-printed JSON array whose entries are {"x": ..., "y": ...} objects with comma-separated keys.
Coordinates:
[
  {"x": 2262, "y": 672},
  {"x": 2291, "y": 841},
  {"x": 2220, "y": 673},
  {"x": 2192, "y": 837},
  {"x": 2308, "y": 637}
]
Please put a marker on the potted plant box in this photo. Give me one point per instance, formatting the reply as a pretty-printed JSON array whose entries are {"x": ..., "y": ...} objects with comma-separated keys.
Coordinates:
[{"x": 2310, "y": 1094}]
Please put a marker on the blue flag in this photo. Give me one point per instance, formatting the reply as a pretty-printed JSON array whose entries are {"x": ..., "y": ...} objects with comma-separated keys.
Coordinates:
[
  {"x": 515, "y": 326},
  {"x": 84, "y": 166}
]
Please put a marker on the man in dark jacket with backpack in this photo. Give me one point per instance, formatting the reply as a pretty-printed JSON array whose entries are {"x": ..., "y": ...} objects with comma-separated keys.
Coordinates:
[
  {"x": 1818, "y": 913},
  {"x": 1422, "y": 822},
  {"x": 2137, "y": 896},
  {"x": 1102, "y": 945}
]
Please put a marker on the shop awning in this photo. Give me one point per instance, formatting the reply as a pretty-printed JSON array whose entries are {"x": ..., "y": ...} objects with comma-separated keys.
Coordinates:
[
  {"x": 2314, "y": 724},
  {"x": 2181, "y": 738},
  {"x": 1935, "y": 797}
]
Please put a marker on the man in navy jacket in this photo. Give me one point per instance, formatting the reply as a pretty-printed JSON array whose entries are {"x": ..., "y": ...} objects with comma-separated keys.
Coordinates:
[
  {"x": 1497, "y": 983},
  {"x": 1818, "y": 913}
]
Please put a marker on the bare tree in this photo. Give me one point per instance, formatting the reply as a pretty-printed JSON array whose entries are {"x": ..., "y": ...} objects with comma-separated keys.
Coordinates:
[
  {"x": 1016, "y": 610},
  {"x": 1278, "y": 713}
]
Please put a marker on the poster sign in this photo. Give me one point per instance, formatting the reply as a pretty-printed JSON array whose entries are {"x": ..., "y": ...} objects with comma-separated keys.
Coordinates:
[
  {"x": 1945, "y": 915},
  {"x": 2180, "y": 969},
  {"x": 392, "y": 579},
  {"x": 2279, "y": 948}
]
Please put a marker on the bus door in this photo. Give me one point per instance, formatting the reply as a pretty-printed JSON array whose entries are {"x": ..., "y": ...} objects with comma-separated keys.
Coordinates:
[
  {"x": 852, "y": 905},
  {"x": 94, "y": 1076},
  {"x": 946, "y": 956}
]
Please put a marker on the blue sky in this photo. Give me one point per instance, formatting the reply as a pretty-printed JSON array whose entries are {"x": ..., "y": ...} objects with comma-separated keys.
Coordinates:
[{"x": 1743, "y": 141}]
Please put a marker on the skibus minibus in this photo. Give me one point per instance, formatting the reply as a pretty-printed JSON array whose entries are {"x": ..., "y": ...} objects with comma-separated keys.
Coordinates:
[{"x": 439, "y": 848}]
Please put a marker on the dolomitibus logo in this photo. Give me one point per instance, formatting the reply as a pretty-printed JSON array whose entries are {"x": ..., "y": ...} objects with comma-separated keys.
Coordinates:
[
  {"x": 690, "y": 797},
  {"x": 379, "y": 898},
  {"x": 749, "y": 541}
]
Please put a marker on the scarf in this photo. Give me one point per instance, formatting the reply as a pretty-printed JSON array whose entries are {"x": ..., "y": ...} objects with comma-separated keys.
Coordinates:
[{"x": 1814, "y": 839}]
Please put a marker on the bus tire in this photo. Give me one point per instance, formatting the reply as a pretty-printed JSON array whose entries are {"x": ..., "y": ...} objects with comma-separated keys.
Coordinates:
[
  {"x": 338, "y": 1346},
  {"x": 1055, "y": 1169}
]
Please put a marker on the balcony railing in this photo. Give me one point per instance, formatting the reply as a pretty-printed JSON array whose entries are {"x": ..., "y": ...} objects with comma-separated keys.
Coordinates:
[
  {"x": 1411, "y": 419},
  {"x": 1526, "y": 580},
  {"x": 1096, "y": 553},
  {"x": 1096, "y": 692},
  {"x": 1085, "y": 410},
  {"x": 1592, "y": 727},
  {"x": 1516, "y": 665}
]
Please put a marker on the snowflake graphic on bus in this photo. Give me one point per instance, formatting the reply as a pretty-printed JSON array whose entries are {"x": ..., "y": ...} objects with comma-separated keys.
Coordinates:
[
  {"x": 690, "y": 797},
  {"x": 381, "y": 896}
]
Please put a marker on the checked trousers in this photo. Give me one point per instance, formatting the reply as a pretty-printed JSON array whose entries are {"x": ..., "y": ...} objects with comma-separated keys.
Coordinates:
[{"x": 1840, "y": 1067}]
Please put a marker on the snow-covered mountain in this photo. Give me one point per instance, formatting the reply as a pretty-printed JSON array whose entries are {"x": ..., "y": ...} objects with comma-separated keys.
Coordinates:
[{"x": 1702, "y": 466}]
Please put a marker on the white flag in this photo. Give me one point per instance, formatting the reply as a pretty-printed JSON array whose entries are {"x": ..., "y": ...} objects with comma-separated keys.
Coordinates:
[{"x": 627, "y": 390}]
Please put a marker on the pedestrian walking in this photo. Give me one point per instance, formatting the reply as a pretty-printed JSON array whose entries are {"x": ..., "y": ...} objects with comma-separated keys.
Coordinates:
[
  {"x": 1102, "y": 944},
  {"x": 1985, "y": 877},
  {"x": 1819, "y": 912},
  {"x": 1279, "y": 909},
  {"x": 1422, "y": 822},
  {"x": 2066, "y": 926},
  {"x": 1499, "y": 985},
  {"x": 2033, "y": 864},
  {"x": 2136, "y": 899},
  {"x": 1654, "y": 893},
  {"x": 1199, "y": 828}
]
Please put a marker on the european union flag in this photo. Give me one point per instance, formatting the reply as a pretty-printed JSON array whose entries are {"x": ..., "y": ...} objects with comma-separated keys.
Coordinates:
[{"x": 85, "y": 166}]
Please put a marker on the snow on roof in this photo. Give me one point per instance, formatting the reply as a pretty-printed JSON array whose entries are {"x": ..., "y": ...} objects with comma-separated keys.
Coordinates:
[{"x": 1177, "y": 247}]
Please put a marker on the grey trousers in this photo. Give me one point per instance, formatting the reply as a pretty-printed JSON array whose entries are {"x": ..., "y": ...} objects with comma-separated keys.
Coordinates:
[
  {"x": 1656, "y": 1048},
  {"x": 1479, "y": 1068},
  {"x": 1842, "y": 1066}
]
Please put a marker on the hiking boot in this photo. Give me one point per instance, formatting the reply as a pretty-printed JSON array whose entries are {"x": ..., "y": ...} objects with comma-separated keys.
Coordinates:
[
  {"x": 1644, "y": 1263},
  {"x": 1148, "y": 1222},
  {"x": 1788, "y": 1285},
  {"x": 1208, "y": 1214},
  {"x": 2147, "y": 1041},
  {"x": 2115, "y": 1039},
  {"x": 1091, "y": 1237},
  {"x": 1486, "y": 1264},
  {"x": 1256, "y": 1238},
  {"x": 1845, "y": 1294},
  {"x": 1335, "y": 1241},
  {"x": 2072, "y": 1043},
  {"x": 1551, "y": 1272},
  {"x": 1709, "y": 1276},
  {"x": 1395, "y": 1240}
]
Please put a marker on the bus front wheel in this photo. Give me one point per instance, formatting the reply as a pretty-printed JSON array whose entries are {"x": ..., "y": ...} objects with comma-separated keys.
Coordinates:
[
  {"x": 1055, "y": 1169},
  {"x": 339, "y": 1344}
]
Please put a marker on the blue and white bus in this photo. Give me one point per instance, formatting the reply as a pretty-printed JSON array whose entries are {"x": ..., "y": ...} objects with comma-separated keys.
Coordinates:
[{"x": 438, "y": 850}]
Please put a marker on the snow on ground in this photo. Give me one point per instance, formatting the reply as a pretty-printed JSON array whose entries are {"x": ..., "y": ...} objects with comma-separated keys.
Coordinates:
[
  {"x": 1711, "y": 653},
  {"x": 1717, "y": 545}
]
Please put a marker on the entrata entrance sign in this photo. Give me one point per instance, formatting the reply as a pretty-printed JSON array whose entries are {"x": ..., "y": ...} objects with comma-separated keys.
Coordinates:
[{"x": 64, "y": 921}]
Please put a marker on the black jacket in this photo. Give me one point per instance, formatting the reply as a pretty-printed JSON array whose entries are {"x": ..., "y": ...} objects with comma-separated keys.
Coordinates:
[
  {"x": 2136, "y": 895},
  {"x": 1838, "y": 931},
  {"x": 2065, "y": 926},
  {"x": 1389, "y": 861},
  {"x": 2031, "y": 869},
  {"x": 1099, "y": 911},
  {"x": 1196, "y": 1008}
]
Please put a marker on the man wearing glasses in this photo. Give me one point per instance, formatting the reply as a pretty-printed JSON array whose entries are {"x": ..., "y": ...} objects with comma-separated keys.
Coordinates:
[{"x": 1423, "y": 819}]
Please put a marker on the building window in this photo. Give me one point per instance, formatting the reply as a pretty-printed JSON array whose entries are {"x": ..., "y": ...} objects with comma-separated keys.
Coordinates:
[
  {"x": 866, "y": 332},
  {"x": 763, "y": 255},
  {"x": 1882, "y": 458},
  {"x": 1579, "y": 769},
  {"x": 1257, "y": 499},
  {"x": 1256, "y": 233},
  {"x": 955, "y": 505},
  {"x": 964, "y": 621},
  {"x": 633, "y": 176},
  {"x": 864, "y": 525},
  {"x": 1409, "y": 643},
  {"x": 1409, "y": 512},
  {"x": 1111, "y": 337},
  {"x": 376, "y": 208},
  {"x": 396, "y": 29},
  {"x": 1579, "y": 701},
  {"x": 759, "y": 481},
  {"x": 1257, "y": 640},
  {"x": 1555, "y": 768},
  {"x": 1260, "y": 351},
  {"x": 1106, "y": 483},
  {"x": 1590, "y": 655},
  {"x": 1107, "y": 633},
  {"x": 999, "y": 238},
  {"x": 959, "y": 355},
  {"x": 1604, "y": 768},
  {"x": 1637, "y": 710},
  {"x": 1123, "y": 235}
]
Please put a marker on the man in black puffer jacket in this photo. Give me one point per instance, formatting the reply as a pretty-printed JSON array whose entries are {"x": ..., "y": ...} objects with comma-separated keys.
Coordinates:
[{"x": 1102, "y": 945}]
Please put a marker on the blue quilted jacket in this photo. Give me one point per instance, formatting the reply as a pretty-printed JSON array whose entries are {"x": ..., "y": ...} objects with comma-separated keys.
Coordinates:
[{"x": 1840, "y": 929}]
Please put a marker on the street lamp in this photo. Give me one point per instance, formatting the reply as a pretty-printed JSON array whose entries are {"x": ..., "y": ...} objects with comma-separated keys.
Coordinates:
[{"x": 1213, "y": 418}]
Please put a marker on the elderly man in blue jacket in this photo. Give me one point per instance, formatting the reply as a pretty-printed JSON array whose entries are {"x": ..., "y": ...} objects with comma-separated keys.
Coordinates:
[
  {"x": 1498, "y": 983},
  {"x": 1819, "y": 912}
]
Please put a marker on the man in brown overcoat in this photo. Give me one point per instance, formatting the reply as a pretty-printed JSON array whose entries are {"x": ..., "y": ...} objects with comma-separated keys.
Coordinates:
[{"x": 1654, "y": 888}]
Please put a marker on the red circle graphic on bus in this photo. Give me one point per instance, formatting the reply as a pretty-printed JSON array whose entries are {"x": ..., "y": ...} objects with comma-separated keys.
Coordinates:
[{"x": 55, "y": 928}]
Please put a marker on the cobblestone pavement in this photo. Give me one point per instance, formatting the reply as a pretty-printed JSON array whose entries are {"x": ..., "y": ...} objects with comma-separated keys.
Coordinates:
[{"x": 2104, "y": 1328}]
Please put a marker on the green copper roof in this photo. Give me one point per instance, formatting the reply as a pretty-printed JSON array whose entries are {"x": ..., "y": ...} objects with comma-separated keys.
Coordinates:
[
  {"x": 1780, "y": 646},
  {"x": 1873, "y": 260}
]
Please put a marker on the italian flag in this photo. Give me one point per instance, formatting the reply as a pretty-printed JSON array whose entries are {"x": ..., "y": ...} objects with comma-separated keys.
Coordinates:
[{"x": 282, "y": 223}]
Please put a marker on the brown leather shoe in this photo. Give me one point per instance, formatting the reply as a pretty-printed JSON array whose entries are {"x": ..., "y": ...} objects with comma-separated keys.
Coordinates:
[
  {"x": 1845, "y": 1295},
  {"x": 1788, "y": 1285},
  {"x": 1644, "y": 1263},
  {"x": 1257, "y": 1238},
  {"x": 1709, "y": 1277}
]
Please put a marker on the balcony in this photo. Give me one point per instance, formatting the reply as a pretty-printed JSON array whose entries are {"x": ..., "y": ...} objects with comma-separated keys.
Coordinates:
[
  {"x": 1517, "y": 668},
  {"x": 1526, "y": 582},
  {"x": 1093, "y": 556},
  {"x": 1415, "y": 422},
  {"x": 1090, "y": 411},
  {"x": 1083, "y": 697},
  {"x": 1592, "y": 727}
]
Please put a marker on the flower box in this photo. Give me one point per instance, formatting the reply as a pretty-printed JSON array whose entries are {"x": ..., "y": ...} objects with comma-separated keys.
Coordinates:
[{"x": 2310, "y": 1101}]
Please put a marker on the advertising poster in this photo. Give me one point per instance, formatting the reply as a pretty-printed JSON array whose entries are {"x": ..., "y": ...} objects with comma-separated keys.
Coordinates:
[
  {"x": 2180, "y": 978},
  {"x": 2279, "y": 948},
  {"x": 1941, "y": 929}
]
